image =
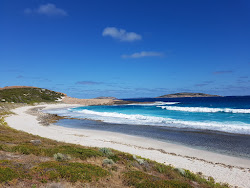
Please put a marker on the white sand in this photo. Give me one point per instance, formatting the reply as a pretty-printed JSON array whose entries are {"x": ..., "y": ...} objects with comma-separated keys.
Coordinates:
[{"x": 179, "y": 156}]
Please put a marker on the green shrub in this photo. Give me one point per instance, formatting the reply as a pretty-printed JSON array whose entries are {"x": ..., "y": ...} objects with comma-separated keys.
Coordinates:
[
  {"x": 7, "y": 174},
  {"x": 106, "y": 151},
  {"x": 77, "y": 152},
  {"x": 211, "y": 179},
  {"x": 167, "y": 170},
  {"x": 27, "y": 149},
  {"x": 114, "y": 157},
  {"x": 107, "y": 162},
  {"x": 72, "y": 172},
  {"x": 61, "y": 157},
  {"x": 140, "y": 161},
  {"x": 140, "y": 179},
  {"x": 182, "y": 172},
  {"x": 2, "y": 122},
  {"x": 29, "y": 95},
  {"x": 197, "y": 178}
]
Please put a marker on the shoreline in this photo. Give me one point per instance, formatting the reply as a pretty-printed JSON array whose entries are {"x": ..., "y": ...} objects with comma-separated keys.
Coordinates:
[
  {"x": 223, "y": 168},
  {"x": 185, "y": 137}
]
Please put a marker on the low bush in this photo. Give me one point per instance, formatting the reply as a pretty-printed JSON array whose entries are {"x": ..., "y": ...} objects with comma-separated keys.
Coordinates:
[
  {"x": 74, "y": 151},
  {"x": 114, "y": 157},
  {"x": 79, "y": 152},
  {"x": 7, "y": 174},
  {"x": 72, "y": 172},
  {"x": 61, "y": 157},
  {"x": 140, "y": 179},
  {"x": 29, "y": 95},
  {"x": 106, "y": 151},
  {"x": 107, "y": 162}
]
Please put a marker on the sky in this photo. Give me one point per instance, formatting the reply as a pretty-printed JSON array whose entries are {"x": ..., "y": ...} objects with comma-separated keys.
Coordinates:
[{"x": 126, "y": 48}]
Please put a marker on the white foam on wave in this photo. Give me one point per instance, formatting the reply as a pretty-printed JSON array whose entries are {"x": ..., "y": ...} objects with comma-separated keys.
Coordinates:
[
  {"x": 205, "y": 109},
  {"x": 137, "y": 119},
  {"x": 159, "y": 103}
]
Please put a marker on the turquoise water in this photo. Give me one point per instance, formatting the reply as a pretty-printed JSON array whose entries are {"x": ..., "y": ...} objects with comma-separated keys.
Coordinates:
[{"x": 225, "y": 114}]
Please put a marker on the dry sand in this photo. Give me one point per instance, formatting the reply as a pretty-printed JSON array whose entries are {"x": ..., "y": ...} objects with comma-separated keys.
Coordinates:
[
  {"x": 71, "y": 100},
  {"x": 232, "y": 170}
]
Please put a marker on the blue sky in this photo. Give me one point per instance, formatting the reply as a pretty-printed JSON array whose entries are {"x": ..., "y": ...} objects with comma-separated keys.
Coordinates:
[{"x": 126, "y": 48}]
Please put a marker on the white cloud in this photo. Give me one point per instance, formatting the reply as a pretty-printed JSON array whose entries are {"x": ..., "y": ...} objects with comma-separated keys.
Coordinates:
[
  {"x": 47, "y": 9},
  {"x": 121, "y": 34},
  {"x": 143, "y": 54},
  {"x": 88, "y": 83}
]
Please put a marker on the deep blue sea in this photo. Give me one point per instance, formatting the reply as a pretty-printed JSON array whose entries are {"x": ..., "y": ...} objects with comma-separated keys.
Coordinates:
[{"x": 220, "y": 124}]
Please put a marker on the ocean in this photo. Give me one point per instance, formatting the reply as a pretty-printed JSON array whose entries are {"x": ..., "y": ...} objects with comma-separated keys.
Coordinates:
[{"x": 218, "y": 124}]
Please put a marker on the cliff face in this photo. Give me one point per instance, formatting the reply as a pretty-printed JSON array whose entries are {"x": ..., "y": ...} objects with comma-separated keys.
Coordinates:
[{"x": 179, "y": 95}]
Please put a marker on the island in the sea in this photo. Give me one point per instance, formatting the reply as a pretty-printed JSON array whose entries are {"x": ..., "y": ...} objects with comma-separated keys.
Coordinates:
[{"x": 187, "y": 94}]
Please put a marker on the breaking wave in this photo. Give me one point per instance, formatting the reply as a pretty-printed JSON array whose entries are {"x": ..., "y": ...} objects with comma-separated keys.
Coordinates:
[
  {"x": 154, "y": 104},
  {"x": 120, "y": 118}
]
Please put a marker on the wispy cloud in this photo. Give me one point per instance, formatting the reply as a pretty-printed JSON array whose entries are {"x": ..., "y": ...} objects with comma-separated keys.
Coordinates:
[
  {"x": 88, "y": 83},
  {"x": 223, "y": 72},
  {"x": 121, "y": 34},
  {"x": 243, "y": 77},
  {"x": 200, "y": 85},
  {"x": 20, "y": 76},
  {"x": 47, "y": 10},
  {"x": 143, "y": 54},
  {"x": 33, "y": 78},
  {"x": 205, "y": 83}
]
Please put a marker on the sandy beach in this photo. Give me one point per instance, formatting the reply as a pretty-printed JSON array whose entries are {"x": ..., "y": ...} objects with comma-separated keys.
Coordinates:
[{"x": 232, "y": 170}]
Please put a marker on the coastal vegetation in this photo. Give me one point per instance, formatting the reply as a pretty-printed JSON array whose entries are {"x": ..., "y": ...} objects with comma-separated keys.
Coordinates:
[
  {"x": 28, "y": 95},
  {"x": 31, "y": 161}
]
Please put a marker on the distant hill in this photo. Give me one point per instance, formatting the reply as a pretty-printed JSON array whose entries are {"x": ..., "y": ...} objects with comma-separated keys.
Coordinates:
[
  {"x": 13, "y": 87},
  {"x": 186, "y": 94},
  {"x": 26, "y": 94}
]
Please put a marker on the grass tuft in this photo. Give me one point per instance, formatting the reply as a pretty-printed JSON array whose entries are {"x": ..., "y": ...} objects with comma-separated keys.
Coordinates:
[
  {"x": 61, "y": 157},
  {"x": 72, "y": 172},
  {"x": 106, "y": 151},
  {"x": 108, "y": 162},
  {"x": 140, "y": 179},
  {"x": 7, "y": 174}
]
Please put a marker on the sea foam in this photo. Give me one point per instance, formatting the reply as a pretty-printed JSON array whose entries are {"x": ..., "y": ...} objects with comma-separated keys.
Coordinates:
[
  {"x": 159, "y": 103},
  {"x": 137, "y": 119}
]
